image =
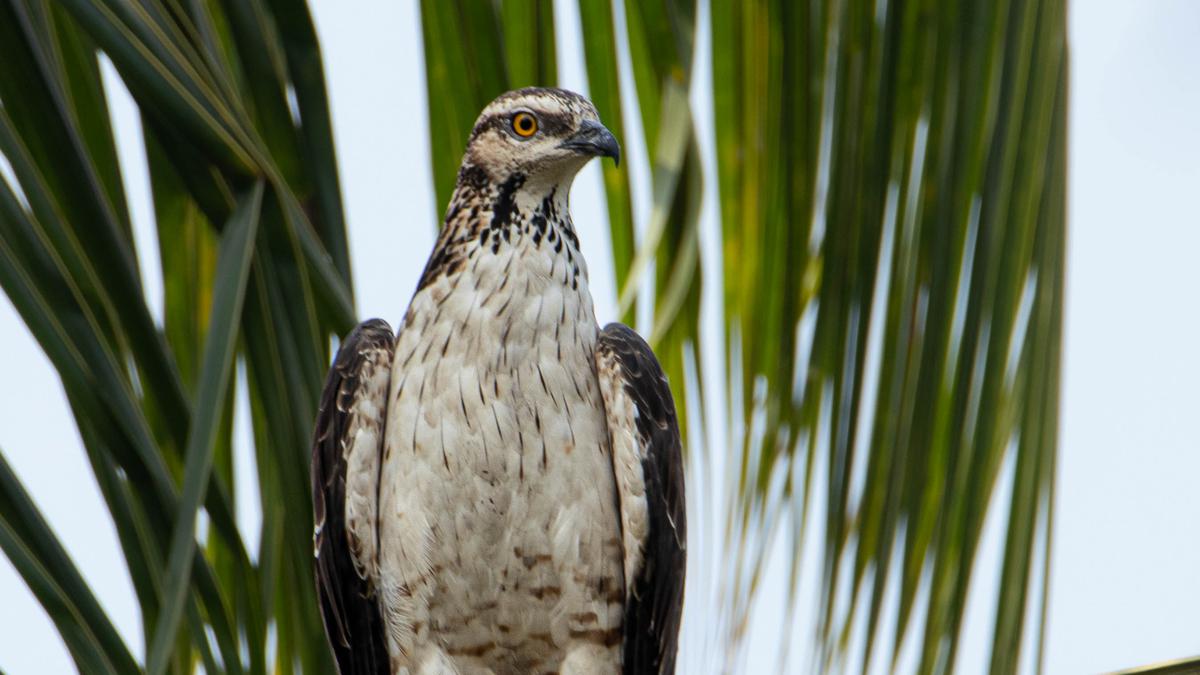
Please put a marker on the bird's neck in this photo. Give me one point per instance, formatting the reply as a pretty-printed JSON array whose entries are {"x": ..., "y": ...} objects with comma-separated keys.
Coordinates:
[
  {"x": 527, "y": 213},
  {"x": 507, "y": 269},
  {"x": 520, "y": 224},
  {"x": 518, "y": 198}
]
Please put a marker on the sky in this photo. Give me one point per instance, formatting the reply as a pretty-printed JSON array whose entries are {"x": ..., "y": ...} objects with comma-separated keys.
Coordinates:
[{"x": 1124, "y": 580}]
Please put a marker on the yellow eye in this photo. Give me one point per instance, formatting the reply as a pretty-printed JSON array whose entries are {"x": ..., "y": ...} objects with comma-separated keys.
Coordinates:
[{"x": 524, "y": 124}]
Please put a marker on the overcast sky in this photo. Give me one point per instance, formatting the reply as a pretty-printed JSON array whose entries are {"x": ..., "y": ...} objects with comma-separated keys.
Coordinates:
[{"x": 1126, "y": 564}]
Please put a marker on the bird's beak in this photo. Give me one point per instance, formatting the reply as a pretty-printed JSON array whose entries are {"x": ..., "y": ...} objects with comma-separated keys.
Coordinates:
[{"x": 595, "y": 140}]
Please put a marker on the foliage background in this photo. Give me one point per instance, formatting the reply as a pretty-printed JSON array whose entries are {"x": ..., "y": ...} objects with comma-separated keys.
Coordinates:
[{"x": 384, "y": 222}]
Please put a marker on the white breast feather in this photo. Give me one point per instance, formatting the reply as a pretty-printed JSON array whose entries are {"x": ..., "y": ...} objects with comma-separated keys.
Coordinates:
[{"x": 499, "y": 512}]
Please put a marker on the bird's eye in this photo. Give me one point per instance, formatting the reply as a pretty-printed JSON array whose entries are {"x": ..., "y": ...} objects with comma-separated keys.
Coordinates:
[{"x": 525, "y": 124}]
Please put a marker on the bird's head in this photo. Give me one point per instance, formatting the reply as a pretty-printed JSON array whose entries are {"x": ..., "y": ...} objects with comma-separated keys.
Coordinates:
[{"x": 544, "y": 134}]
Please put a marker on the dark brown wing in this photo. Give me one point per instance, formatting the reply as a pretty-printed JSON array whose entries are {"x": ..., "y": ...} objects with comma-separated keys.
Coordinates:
[
  {"x": 648, "y": 462},
  {"x": 348, "y": 440}
]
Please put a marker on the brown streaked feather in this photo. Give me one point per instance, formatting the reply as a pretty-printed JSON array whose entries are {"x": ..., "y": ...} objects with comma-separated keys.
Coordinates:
[
  {"x": 654, "y": 599},
  {"x": 349, "y": 607}
]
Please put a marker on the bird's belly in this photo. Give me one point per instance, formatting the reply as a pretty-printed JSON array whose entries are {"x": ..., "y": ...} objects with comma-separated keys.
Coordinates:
[{"x": 500, "y": 539}]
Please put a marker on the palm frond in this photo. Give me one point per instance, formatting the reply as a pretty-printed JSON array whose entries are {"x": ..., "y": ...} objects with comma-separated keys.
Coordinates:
[
  {"x": 891, "y": 182},
  {"x": 253, "y": 249}
]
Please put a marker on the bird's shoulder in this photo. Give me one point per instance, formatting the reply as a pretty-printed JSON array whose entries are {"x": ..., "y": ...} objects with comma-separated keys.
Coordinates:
[
  {"x": 648, "y": 464},
  {"x": 346, "y": 448}
]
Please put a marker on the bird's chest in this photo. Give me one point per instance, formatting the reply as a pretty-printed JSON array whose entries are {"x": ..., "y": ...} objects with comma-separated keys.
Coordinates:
[
  {"x": 494, "y": 386},
  {"x": 500, "y": 411},
  {"x": 499, "y": 507}
]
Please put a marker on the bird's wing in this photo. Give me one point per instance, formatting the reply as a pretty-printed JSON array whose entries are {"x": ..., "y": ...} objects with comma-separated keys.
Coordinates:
[
  {"x": 648, "y": 464},
  {"x": 346, "y": 457}
]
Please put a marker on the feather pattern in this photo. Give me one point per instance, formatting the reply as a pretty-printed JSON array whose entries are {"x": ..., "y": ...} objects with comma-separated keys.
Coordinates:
[
  {"x": 648, "y": 463},
  {"x": 499, "y": 490},
  {"x": 347, "y": 444}
]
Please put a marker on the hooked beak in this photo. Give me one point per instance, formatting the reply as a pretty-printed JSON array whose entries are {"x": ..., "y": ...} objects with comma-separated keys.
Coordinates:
[{"x": 595, "y": 140}]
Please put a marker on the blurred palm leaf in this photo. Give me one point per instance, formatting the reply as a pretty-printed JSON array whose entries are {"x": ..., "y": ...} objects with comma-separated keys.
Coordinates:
[
  {"x": 253, "y": 251},
  {"x": 892, "y": 210},
  {"x": 891, "y": 180}
]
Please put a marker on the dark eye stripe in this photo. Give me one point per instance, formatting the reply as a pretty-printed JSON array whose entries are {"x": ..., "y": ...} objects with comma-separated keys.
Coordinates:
[{"x": 552, "y": 124}]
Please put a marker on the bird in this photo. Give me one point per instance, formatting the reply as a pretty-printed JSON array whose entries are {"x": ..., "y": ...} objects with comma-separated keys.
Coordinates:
[{"x": 498, "y": 487}]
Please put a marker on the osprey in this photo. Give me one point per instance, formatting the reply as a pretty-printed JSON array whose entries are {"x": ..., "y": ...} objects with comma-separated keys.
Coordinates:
[{"x": 498, "y": 488}]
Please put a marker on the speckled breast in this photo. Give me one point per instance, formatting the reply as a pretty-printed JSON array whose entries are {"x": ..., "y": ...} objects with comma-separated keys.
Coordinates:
[{"x": 499, "y": 533}]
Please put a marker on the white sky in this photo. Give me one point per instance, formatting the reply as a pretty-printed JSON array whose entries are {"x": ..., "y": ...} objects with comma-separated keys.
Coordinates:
[{"x": 1126, "y": 567}]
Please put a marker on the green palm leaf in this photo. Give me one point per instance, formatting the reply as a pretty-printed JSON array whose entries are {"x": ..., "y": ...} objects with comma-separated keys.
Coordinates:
[
  {"x": 212, "y": 82},
  {"x": 892, "y": 226},
  {"x": 891, "y": 182}
]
